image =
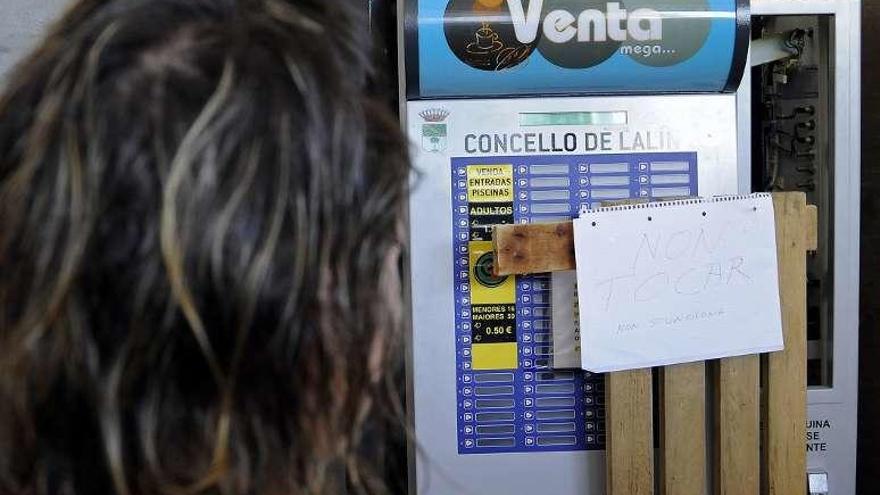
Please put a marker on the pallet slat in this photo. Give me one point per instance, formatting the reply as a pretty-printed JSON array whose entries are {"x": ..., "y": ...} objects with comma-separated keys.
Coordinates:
[
  {"x": 630, "y": 433},
  {"x": 737, "y": 449},
  {"x": 683, "y": 429},
  {"x": 533, "y": 248},
  {"x": 786, "y": 388}
]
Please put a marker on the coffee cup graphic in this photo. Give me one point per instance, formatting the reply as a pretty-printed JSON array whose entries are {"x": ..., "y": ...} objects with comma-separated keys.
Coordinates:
[
  {"x": 485, "y": 41},
  {"x": 480, "y": 33}
]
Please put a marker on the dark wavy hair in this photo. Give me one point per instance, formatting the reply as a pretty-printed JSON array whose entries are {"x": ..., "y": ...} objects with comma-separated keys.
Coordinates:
[{"x": 200, "y": 232}]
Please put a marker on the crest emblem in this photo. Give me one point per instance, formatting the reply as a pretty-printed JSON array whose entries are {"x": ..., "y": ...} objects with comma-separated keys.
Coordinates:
[{"x": 434, "y": 129}]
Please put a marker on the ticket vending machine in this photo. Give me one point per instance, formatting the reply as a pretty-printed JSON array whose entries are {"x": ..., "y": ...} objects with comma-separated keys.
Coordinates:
[{"x": 528, "y": 111}]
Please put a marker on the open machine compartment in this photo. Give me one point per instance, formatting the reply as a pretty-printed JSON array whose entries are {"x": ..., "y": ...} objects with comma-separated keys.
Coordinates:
[
  {"x": 802, "y": 108},
  {"x": 793, "y": 150}
]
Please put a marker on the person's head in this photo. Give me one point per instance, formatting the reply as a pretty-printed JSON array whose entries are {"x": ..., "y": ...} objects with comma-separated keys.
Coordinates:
[{"x": 200, "y": 211}]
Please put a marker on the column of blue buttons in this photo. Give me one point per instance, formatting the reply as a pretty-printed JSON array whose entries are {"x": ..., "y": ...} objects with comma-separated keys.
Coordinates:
[
  {"x": 461, "y": 232},
  {"x": 591, "y": 384},
  {"x": 644, "y": 180},
  {"x": 583, "y": 184},
  {"x": 524, "y": 322},
  {"x": 594, "y": 411}
]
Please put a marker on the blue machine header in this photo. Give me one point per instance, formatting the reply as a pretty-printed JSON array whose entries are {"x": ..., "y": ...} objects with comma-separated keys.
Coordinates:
[{"x": 488, "y": 48}]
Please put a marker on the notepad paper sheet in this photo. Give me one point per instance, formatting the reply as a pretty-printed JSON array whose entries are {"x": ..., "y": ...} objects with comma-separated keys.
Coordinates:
[{"x": 677, "y": 282}]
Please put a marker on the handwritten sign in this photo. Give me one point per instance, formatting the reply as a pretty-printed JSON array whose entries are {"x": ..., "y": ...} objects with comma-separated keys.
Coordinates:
[{"x": 675, "y": 282}]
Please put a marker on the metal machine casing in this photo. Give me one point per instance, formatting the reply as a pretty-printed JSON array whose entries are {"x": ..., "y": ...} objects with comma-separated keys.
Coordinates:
[
  {"x": 703, "y": 125},
  {"x": 437, "y": 464},
  {"x": 832, "y": 409}
]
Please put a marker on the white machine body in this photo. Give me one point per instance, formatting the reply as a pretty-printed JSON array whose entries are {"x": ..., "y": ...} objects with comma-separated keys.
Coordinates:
[{"x": 555, "y": 169}]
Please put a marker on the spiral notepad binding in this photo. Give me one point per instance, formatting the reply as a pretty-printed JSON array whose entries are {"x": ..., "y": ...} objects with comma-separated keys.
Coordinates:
[{"x": 676, "y": 202}]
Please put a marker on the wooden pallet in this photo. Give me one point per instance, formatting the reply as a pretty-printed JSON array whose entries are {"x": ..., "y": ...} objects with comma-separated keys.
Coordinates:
[{"x": 744, "y": 458}]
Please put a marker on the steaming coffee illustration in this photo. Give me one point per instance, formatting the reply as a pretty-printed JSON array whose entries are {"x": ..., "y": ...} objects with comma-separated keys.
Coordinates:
[
  {"x": 481, "y": 34},
  {"x": 486, "y": 41}
]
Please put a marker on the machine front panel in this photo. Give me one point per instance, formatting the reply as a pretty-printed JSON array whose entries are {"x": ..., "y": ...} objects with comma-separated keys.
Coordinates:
[
  {"x": 511, "y": 397},
  {"x": 491, "y": 413}
]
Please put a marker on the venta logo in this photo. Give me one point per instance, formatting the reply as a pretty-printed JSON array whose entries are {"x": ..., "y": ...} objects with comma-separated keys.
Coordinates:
[
  {"x": 495, "y": 35},
  {"x": 561, "y": 26}
]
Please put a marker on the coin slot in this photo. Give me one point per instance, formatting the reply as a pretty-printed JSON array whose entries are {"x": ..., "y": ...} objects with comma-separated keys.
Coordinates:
[{"x": 484, "y": 270}]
